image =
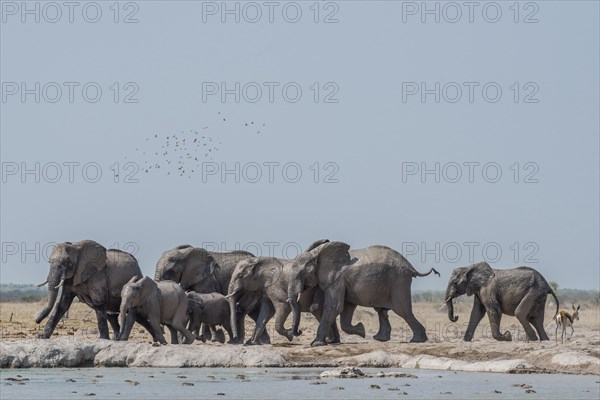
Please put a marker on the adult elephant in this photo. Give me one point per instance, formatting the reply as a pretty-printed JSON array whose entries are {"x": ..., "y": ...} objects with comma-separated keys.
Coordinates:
[
  {"x": 91, "y": 273},
  {"x": 377, "y": 277},
  {"x": 272, "y": 276},
  {"x": 520, "y": 292},
  {"x": 202, "y": 271}
]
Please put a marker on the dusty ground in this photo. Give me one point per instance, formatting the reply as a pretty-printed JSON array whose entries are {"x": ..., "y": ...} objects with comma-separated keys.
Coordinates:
[{"x": 445, "y": 349}]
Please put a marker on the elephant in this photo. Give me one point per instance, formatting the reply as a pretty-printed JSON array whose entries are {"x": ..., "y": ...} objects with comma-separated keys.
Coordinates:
[
  {"x": 211, "y": 309},
  {"x": 376, "y": 276},
  {"x": 203, "y": 271},
  {"x": 91, "y": 273},
  {"x": 158, "y": 303},
  {"x": 271, "y": 276},
  {"x": 520, "y": 292}
]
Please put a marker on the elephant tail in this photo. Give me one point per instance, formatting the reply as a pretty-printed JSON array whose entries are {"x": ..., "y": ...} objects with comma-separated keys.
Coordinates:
[
  {"x": 555, "y": 299},
  {"x": 421, "y": 274}
]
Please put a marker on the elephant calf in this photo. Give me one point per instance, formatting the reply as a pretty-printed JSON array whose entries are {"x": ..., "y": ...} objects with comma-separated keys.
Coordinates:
[
  {"x": 158, "y": 303},
  {"x": 208, "y": 308}
]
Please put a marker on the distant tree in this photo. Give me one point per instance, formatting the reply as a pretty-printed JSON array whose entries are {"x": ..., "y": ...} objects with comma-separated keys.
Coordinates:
[{"x": 553, "y": 285}]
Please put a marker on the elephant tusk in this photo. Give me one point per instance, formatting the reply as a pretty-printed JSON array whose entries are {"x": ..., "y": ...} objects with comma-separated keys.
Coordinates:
[
  {"x": 230, "y": 295},
  {"x": 62, "y": 282},
  {"x": 448, "y": 299},
  {"x": 43, "y": 283}
]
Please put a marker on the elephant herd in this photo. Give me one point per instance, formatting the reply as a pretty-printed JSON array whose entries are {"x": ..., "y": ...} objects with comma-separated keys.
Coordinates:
[{"x": 194, "y": 291}]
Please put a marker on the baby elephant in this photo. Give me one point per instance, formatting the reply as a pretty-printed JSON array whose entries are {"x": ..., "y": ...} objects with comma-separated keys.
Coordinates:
[
  {"x": 157, "y": 303},
  {"x": 210, "y": 309}
]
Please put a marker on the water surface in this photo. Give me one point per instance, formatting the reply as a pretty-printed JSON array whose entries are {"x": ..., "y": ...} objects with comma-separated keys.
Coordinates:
[{"x": 294, "y": 383}]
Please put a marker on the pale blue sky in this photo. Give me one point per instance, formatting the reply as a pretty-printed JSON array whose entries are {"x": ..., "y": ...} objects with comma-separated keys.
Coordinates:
[{"x": 368, "y": 134}]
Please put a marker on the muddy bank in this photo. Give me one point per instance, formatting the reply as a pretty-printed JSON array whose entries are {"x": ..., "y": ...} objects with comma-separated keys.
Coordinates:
[{"x": 482, "y": 356}]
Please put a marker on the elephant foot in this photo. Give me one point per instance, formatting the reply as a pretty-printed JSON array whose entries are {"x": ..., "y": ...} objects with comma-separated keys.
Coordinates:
[
  {"x": 201, "y": 338},
  {"x": 334, "y": 341},
  {"x": 298, "y": 332},
  {"x": 43, "y": 335},
  {"x": 418, "y": 339},
  {"x": 507, "y": 337},
  {"x": 219, "y": 336},
  {"x": 251, "y": 342},
  {"x": 317, "y": 343},
  {"x": 289, "y": 335},
  {"x": 381, "y": 337}
]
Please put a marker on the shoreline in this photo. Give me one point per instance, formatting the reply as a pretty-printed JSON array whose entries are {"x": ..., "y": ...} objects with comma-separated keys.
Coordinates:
[{"x": 479, "y": 356}]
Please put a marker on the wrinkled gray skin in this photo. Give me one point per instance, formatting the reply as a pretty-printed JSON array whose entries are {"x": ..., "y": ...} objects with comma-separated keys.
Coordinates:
[
  {"x": 158, "y": 303},
  {"x": 202, "y": 271},
  {"x": 209, "y": 308},
  {"x": 91, "y": 273},
  {"x": 520, "y": 292},
  {"x": 271, "y": 276},
  {"x": 377, "y": 277}
]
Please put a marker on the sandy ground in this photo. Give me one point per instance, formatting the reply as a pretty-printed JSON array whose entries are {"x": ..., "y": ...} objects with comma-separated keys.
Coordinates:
[{"x": 75, "y": 344}]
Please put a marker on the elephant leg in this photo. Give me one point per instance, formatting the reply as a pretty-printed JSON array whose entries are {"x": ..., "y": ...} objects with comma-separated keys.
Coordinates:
[
  {"x": 156, "y": 329},
  {"x": 101, "y": 316},
  {"x": 385, "y": 328},
  {"x": 173, "y": 332},
  {"x": 538, "y": 323},
  {"x": 266, "y": 313},
  {"x": 495, "y": 316},
  {"x": 333, "y": 303},
  {"x": 522, "y": 312},
  {"x": 346, "y": 321},
  {"x": 419, "y": 334},
  {"x": 227, "y": 327},
  {"x": 316, "y": 309},
  {"x": 178, "y": 323},
  {"x": 282, "y": 310},
  {"x": 61, "y": 308},
  {"x": 477, "y": 314},
  {"x": 144, "y": 322},
  {"x": 254, "y": 315},
  {"x": 113, "y": 319},
  {"x": 218, "y": 335},
  {"x": 213, "y": 333}
]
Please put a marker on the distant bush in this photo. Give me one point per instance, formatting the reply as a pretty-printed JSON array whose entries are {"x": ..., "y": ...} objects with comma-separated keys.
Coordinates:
[{"x": 21, "y": 293}]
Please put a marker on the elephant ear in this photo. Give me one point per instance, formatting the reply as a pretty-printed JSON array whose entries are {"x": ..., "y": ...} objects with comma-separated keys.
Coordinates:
[
  {"x": 148, "y": 288},
  {"x": 91, "y": 258},
  {"x": 478, "y": 276},
  {"x": 198, "y": 265},
  {"x": 331, "y": 258},
  {"x": 316, "y": 244},
  {"x": 266, "y": 269}
]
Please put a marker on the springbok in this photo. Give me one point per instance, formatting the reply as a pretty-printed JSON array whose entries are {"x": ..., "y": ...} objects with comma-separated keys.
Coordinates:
[{"x": 564, "y": 319}]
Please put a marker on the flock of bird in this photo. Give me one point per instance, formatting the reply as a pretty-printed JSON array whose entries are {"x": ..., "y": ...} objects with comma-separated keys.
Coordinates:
[{"x": 182, "y": 154}]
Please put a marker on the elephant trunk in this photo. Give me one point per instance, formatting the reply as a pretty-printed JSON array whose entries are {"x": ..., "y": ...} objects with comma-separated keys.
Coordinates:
[
  {"x": 451, "y": 315},
  {"x": 294, "y": 291},
  {"x": 158, "y": 274},
  {"x": 122, "y": 317},
  {"x": 54, "y": 280},
  {"x": 449, "y": 296},
  {"x": 232, "y": 299}
]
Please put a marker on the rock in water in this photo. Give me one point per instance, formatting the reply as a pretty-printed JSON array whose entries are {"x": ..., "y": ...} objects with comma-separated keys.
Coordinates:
[{"x": 346, "y": 372}]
